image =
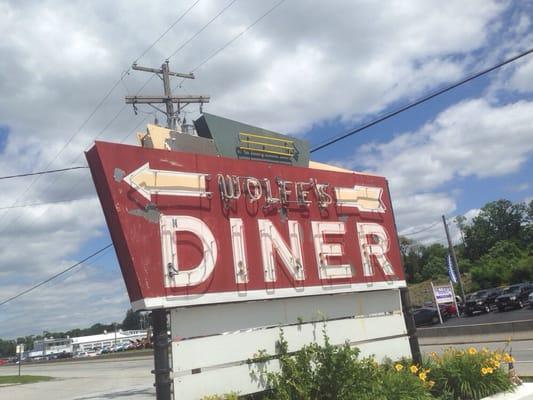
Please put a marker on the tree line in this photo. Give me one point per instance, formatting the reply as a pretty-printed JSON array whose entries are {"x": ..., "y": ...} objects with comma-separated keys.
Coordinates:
[
  {"x": 132, "y": 321},
  {"x": 496, "y": 248}
]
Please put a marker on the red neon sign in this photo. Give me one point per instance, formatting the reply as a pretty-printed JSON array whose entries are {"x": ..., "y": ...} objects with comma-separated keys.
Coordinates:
[{"x": 195, "y": 229}]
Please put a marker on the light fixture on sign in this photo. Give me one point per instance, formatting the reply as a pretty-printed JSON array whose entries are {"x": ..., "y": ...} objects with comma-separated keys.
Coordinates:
[
  {"x": 148, "y": 181},
  {"x": 365, "y": 198}
]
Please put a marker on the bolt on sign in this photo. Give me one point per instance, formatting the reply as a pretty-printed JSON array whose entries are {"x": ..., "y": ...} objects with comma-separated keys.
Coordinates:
[{"x": 195, "y": 229}]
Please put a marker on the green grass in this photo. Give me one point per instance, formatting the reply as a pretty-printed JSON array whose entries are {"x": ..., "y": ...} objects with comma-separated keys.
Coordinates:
[
  {"x": 15, "y": 379},
  {"x": 527, "y": 378}
]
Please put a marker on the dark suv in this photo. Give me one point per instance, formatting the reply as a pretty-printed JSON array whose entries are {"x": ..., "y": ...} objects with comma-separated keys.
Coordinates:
[
  {"x": 515, "y": 296},
  {"x": 481, "y": 301}
]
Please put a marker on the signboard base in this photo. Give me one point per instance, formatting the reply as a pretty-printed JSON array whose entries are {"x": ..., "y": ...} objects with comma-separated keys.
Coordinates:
[{"x": 212, "y": 346}]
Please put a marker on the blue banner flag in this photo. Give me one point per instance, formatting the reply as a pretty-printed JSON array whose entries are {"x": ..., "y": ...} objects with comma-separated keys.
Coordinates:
[{"x": 451, "y": 268}]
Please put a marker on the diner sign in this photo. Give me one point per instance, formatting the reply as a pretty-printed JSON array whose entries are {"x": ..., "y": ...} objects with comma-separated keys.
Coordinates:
[{"x": 193, "y": 229}]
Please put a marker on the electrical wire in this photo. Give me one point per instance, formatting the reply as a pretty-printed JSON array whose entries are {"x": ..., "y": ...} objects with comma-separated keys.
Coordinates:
[
  {"x": 103, "y": 100},
  {"x": 228, "y": 43},
  {"x": 421, "y": 230},
  {"x": 201, "y": 29},
  {"x": 44, "y": 203},
  {"x": 164, "y": 33},
  {"x": 26, "y": 291},
  {"x": 420, "y": 101},
  {"x": 49, "y": 171},
  {"x": 125, "y": 138}
]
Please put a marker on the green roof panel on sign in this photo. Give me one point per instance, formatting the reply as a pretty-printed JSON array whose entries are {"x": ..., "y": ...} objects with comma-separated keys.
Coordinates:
[{"x": 238, "y": 140}]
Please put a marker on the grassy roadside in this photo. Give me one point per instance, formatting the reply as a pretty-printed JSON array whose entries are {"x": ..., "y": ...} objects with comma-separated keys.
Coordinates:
[{"x": 15, "y": 379}]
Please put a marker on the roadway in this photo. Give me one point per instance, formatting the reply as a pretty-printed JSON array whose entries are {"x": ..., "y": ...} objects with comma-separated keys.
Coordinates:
[
  {"x": 96, "y": 379},
  {"x": 494, "y": 316}
]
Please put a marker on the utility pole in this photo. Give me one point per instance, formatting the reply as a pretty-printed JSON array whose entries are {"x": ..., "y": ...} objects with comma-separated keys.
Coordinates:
[
  {"x": 168, "y": 99},
  {"x": 454, "y": 258},
  {"x": 161, "y": 341}
]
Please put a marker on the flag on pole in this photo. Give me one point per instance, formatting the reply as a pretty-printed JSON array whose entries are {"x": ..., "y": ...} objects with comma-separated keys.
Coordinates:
[{"x": 451, "y": 268}]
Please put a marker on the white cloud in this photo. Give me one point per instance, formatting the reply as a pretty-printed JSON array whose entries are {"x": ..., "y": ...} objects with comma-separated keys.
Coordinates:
[
  {"x": 521, "y": 79},
  {"x": 304, "y": 65},
  {"x": 88, "y": 295},
  {"x": 471, "y": 138}
]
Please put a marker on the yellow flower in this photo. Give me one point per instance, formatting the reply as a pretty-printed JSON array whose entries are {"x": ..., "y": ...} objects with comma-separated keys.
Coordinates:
[
  {"x": 489, "y": 370},
  {"x": 431, "y": 384},
  {"x": 413, "y": 369},
  {"x": 484, "y": 350},
  {"x": 398, "y": 367},
  {"x": 507, "y": 358},
  {"x": 484, "y": 371},
  {"x": 422, "y": 376},
  {"x": 433, "y": 354},
  {"x": 498, "y": 356},
  {"x": 496, "y": 363},
  {"x": 472, "y": 351}
]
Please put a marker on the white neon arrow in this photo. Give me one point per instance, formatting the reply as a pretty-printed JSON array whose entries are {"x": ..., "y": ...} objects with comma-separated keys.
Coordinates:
[
  {"x": 148, "y": 181},
  {"x": 365, "y": 198}
]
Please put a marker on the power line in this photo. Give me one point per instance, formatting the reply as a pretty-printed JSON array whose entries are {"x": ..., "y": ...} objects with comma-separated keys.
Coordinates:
[
  {"x": 422, "y": 230},
  {"x": 56, "y": 275},
  {"x": 49, "y": 171},
  {"x": 201, "y": 29},
  {"x": 216, "y": 52},
  {"x": 104, "y": 99},
  {"x": 44, "y": 203},
  {"x": 420, "y": 101},
  {"x": 164, "y": 33}
]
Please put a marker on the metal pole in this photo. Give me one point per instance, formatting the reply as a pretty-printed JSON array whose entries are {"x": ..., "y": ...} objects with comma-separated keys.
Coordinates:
[
  {"x": 452, "y": 250},
  {"x": 436, "y": 302},
  {"x": 44, "y": 345},
  {"x": 161, "y": 356},
  {"x": 455, "y": 300},
  {"x": 20, "y": 360},
  {"x": 410, "y": 325}
]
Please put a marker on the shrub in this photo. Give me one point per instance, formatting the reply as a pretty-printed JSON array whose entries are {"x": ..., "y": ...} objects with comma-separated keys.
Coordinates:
[
  {"x": 337, "y": 372},
  {"x": 470, "y": 374},
  {"x": 229, "y": 396},
  {"x": 404, "y": 380}
]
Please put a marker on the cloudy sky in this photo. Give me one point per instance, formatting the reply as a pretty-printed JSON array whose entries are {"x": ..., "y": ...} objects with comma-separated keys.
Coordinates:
[{"x": 313, "y": 69}]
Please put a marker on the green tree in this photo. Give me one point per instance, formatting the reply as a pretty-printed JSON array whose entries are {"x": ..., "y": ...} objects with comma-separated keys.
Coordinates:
[
  {"x": 7, "y": 348},
  {"x": 496, "y": 267},
  {"x": 498, "y": 220},
  {"x": 132, "y": 321}
]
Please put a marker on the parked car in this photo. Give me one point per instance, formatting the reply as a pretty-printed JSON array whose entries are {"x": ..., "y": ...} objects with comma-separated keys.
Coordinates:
[
  {"x": 515, "y": 296},
  {"x": 531, "y": 300},
  {"x": 426, "y": 316},
  {"x": 448, "y": 310},
  {"x": 481, "y": 301}
]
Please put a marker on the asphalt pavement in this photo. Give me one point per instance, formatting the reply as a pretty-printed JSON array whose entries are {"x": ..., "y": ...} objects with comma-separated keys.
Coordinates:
[
  {"x": 493, "y": 316},
  {"x": 127, "y": 378}
]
